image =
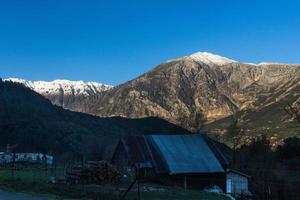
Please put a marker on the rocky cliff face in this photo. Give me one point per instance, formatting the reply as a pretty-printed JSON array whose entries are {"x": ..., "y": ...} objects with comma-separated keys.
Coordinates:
[{"x": 198, "y": 88}]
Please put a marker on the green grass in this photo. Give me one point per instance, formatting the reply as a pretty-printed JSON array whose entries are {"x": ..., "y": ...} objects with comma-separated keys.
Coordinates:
[
  {"x": 35, "y": 181},
  {"x": 32, "y": 174},
  {"x": 172, "y": 193},
  {"x": 26, "y": 175}
]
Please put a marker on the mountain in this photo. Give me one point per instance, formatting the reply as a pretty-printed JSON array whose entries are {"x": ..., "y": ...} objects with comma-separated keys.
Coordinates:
[
  {"x": 63, "y": 92},
  {"x": 36, "y": 125},
  {"x": 200, "y": 89}
]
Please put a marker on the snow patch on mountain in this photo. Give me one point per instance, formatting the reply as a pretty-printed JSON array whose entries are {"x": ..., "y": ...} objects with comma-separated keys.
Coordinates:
[
  {"x": 272, "y": 63},
  {"x": 209, "y": 58},
  {"x": 63, "y": 86}
]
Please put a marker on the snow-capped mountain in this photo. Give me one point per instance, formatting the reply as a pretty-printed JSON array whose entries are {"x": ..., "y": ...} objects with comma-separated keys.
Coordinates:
[
  {"x": 206, "y": 58},
  {"x": 68, "y": 87},
  {"x": 209, "y": 58},
  {"x": 63, "y": 92},
  {"x": 200, "y": 88},
  {"x": 213, "y": 59}
]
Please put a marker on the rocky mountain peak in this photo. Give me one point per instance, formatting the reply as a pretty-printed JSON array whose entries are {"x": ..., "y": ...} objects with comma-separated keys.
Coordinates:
[
  {"x": 209, "y": 58},
  {"x": 193, "y": 90}
]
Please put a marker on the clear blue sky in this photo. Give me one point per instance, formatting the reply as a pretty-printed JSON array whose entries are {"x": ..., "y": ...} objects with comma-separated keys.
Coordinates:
[{"x": 114, "y": 41}]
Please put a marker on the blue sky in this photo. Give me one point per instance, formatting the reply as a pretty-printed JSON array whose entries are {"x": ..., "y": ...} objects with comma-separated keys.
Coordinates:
[{"x": 114, "y": 41}]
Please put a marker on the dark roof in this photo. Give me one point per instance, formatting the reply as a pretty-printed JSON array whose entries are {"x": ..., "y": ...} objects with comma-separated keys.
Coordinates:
[
  {"x": 176, "y": 154},
  {"x": 137, "y": 149}
]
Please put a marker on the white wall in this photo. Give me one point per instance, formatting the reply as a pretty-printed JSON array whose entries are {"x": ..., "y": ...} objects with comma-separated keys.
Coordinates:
[{"x": 236, "y": 184}]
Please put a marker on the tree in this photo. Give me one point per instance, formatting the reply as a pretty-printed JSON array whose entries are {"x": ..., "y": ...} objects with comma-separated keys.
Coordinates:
[
  {"x": 234, "y": 132},
  {"x": 290, "y": 149},
  {"x": 294, "y": 110}
]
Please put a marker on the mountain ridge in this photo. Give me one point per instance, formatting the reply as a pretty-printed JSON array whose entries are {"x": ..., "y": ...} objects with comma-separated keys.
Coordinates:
[
  {"x": 63, "y": 92},
  {"x": 208, "y": 57},
  {"x": 201, "y": 89},
  {"x": 192, "y": 93}
]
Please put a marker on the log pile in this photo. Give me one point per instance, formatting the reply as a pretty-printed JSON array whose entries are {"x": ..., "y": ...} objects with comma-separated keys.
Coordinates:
[{"x": 94, "y": 172}]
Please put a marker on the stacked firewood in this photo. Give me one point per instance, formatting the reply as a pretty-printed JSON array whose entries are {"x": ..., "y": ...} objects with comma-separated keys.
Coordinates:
[{"x": 96, "y": 172}]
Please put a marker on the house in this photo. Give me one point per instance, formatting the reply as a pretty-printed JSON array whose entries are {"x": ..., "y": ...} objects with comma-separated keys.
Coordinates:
[
  {"x": 189, "y": 160},
  {"x": 237, "y": 183},
  {"x": 37, "y": 158}
]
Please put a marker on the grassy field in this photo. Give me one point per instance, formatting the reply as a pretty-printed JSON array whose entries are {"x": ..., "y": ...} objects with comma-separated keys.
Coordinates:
[
  {"x": 35, "y": 181},
  {"x": 179, "y": 194}
]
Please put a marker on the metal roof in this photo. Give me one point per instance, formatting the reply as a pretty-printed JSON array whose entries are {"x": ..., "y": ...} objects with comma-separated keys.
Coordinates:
[
  {"x": 176, "y": 154},
  {"x": 187, "y": 154}
]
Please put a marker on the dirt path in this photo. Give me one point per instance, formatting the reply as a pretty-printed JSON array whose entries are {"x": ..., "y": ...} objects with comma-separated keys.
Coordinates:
[{"x": 18, "y": 196}]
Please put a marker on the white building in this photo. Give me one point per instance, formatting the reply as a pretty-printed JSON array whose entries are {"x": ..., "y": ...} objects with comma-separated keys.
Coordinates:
[
  {"x": 26, "y": 157},
  {"x": 237, "y": 183}
]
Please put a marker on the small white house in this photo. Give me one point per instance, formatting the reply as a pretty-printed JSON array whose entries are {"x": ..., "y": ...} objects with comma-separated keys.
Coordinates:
[{"x": 237, "y": 183}]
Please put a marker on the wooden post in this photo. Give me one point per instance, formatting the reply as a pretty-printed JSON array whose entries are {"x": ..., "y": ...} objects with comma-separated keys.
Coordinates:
[
  {"x": 13, "y": 163},
  {"x": 185, "y": 183},
  {"x": 138, "y": 180},
  {"x": 129, "y": 188},
  {"x": 106, "y": 173},
  {"x": 139, "y": 193}
]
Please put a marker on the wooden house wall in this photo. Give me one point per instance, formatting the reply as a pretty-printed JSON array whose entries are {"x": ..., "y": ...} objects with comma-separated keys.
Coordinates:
[
  {"x": 123, "y": 163},
  {"x": 120, "y": 159}
]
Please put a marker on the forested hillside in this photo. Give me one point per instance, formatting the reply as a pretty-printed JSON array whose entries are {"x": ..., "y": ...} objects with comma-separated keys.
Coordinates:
[{"x": 34, "y": 124}]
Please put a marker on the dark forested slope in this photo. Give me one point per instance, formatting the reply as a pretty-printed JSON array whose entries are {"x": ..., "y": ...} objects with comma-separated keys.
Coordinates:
[{"x": 34, "y": 124}]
